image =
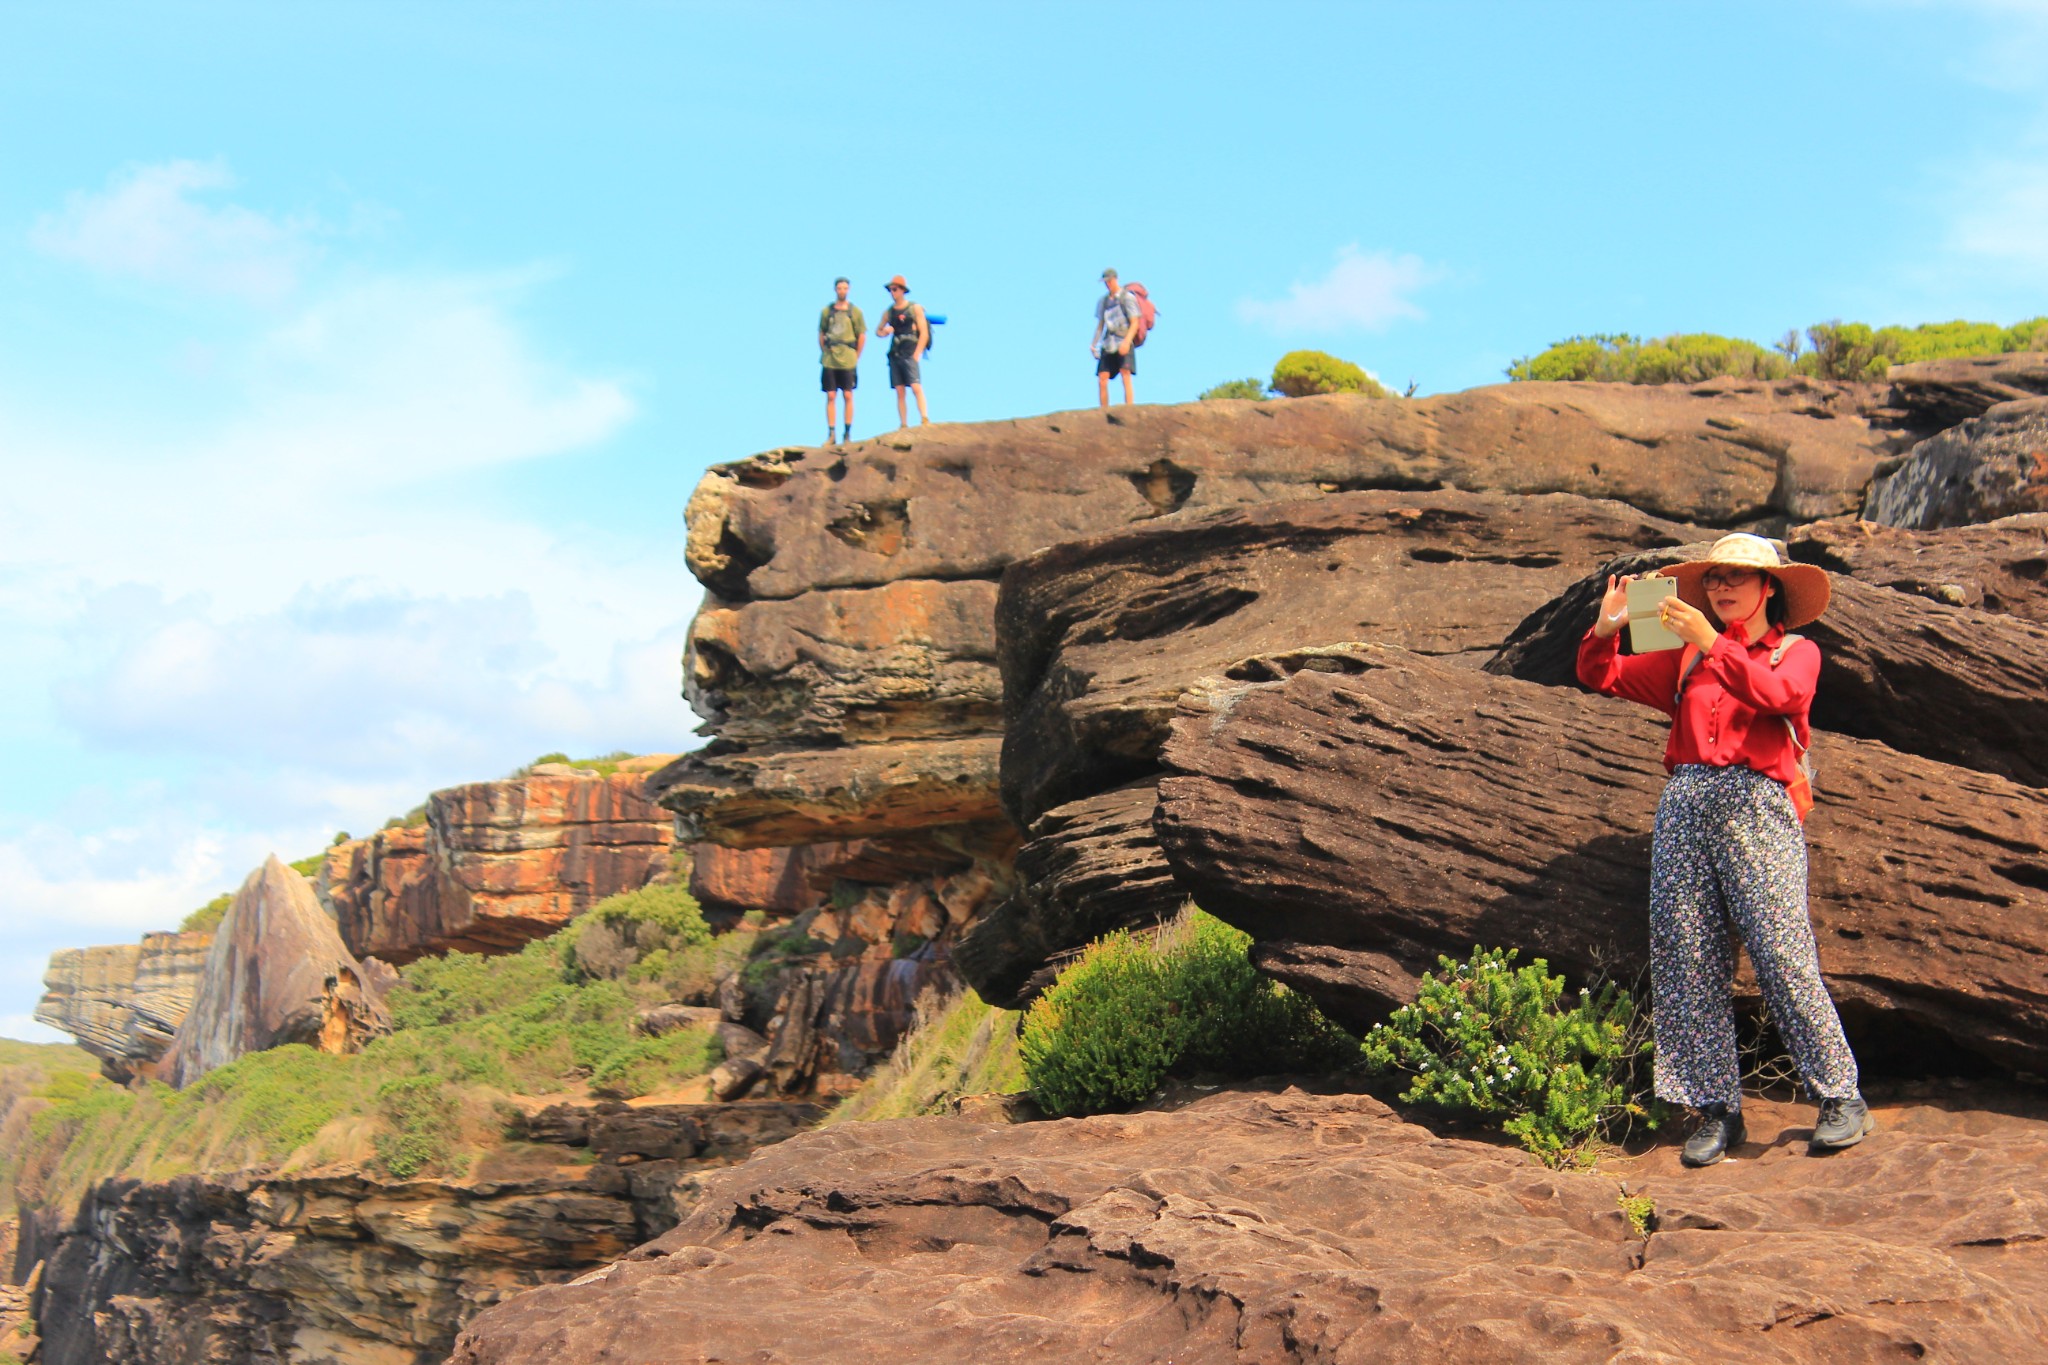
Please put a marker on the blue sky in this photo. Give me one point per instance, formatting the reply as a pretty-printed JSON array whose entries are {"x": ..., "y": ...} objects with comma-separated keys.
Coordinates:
[{"x": 356, "y": 361}]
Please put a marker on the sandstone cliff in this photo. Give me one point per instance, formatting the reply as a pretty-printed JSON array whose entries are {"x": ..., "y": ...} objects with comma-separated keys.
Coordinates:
[
  {"x": 497, "y": 864},
  {"x": 123, "y": 1003}
]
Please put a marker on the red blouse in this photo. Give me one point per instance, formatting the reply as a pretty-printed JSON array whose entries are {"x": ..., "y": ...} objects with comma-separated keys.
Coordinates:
[{"x": 1733, "y": 700}]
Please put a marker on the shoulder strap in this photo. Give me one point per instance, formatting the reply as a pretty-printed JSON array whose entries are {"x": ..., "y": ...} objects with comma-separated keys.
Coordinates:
[
  {"x": 1784, "y": 646},
  {"x": 1688, "y": 660}
]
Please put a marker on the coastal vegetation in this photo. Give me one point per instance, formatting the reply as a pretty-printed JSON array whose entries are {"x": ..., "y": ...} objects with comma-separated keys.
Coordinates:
[
  {"x": 1827, "y": 350},
  {"x": 957, "y": 1046},
  {"x": 473, "y": 1036},
  {"x": 1487, "y": 1038},
  {"x": 1136, "y": 1008}
]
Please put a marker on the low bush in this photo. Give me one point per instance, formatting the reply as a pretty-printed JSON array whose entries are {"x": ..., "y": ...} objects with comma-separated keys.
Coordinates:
[
  {"x": 635, "y": 933},
  {"x": 1236, "y": 388},
  {"x": 644, "y": 1065},
  {"x": 1134, "y": 1009},
  {"x": 1485, "y": 1037},
  {"x": 207, "y": 917},
  {"x": 421, "y": 1113},
  {"x": 1681, "y": 358},
  {"x": 1299, "y": 374}
]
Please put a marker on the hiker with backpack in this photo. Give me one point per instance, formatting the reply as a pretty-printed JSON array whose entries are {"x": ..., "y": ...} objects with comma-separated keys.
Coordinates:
[
  {"x": 1122, "y": 317},
  {"x": 1729, "y": 847},
  {"x": 910, "y": 337},
  {"x": 842, "y": 337}
]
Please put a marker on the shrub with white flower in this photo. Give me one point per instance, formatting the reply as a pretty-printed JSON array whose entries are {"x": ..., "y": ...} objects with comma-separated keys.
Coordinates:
[{"x": 1485, "y": 1037}]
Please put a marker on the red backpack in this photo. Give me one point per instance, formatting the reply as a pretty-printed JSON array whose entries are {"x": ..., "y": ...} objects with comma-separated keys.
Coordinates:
[{"x": 1147, "y": 314}]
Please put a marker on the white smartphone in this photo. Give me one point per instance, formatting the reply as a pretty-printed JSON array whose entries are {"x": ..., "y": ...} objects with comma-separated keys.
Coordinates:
[{"x": 1646, "y": 634}]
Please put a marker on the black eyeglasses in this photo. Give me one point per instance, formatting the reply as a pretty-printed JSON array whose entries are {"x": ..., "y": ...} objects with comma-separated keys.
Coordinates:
[{"x": 1728, "y": 578}]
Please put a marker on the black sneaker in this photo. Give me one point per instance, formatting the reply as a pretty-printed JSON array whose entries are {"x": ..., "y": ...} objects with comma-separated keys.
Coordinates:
[
  {"x": 1720, "y": 1128},
  {"x": 1843, "y": 1123}
]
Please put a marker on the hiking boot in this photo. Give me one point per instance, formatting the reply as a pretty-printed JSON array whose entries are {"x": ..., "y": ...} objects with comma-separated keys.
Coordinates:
[
  {"x": 1720, "y": 1128},
  {"x": 1843, "y": 1123}
]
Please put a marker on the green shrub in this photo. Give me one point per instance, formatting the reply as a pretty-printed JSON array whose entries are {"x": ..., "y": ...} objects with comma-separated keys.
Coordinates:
[
  {"x": 1302, "y": 373},
  {"x": 1681, "y": 358},
  {"x": 645, "y": 1065},
  {"x": 1484, "y": 1037},
  {"x": 422, "y": 1114},
  {"x": 621, "y": 935},
  {"x": 207, "y": 917},
  {"x": 1133, "y": 1010},
  {"x": 2031, "y": 335},
  {"x": 1849, "y": 350},
  {"x": 1236, "y": 388}
]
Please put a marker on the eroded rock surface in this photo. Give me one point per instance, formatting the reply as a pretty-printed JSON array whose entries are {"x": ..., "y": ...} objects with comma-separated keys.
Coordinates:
[
  {"x": 337, "y": 1267},
  {"x": 277, "y": 972},
  {"x": 497, "y": 864},
  {"x": 1359, "y": 825},
  {"x": 123, "y": 1003},
  {"x": 1996, "y": 566},
  {"x": 1942, "y": 393},
  {"x": 1100, "y": 636},
  {"x": 1253, "y": 1227},
  {"x": 1989, "y": 467}
]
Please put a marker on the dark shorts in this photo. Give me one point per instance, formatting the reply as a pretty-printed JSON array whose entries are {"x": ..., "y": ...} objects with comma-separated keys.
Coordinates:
[
  {"x": 1117, "y": 362},
  {"x": 902, "y": 372},
  {"x": 839, "y": 381}
]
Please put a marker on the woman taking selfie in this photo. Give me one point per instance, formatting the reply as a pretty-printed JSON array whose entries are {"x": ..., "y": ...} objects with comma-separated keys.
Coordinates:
[{"x": 1729, "y": 848}]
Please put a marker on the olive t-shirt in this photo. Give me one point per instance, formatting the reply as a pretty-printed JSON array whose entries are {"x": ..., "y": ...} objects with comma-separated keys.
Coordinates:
[{"x": 842, "y": 328}]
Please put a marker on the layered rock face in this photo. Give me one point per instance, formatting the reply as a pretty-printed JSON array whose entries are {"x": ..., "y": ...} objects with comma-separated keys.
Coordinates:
[
  {"x": 277, "y": 973},
  {"x": 1298, "y": 1227},
  {"x": 497, "y": 864},
  {"x": 123, "y": 1003},
  {"x": 1935, "y": 394},
  {"x": 336, "y": 1267},
  {"x": 847, "y": 655}
]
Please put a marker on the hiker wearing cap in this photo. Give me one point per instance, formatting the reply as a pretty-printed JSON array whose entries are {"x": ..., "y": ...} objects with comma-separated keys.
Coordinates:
[
  {"x": 1729, "y": 848},
  {"x": 909, "y": 334},
  {"x": 842, "y": 337},
  {"x": 1116, "y": 312}
]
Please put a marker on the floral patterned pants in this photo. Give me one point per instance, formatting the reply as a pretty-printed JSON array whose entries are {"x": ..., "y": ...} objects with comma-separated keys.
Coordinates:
[{"x": 1729, "y": 852}]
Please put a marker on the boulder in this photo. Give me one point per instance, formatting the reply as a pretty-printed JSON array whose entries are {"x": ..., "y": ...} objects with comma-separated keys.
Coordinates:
[
  {"x": 1941, "y": 393},
  {"x": 1100, "y": 636},
  {"x": 1949, "y": 683},
  {"x": 1293, "y": 1227},
  {"x": 913, "y": 659},
  {"x": 277, "y": 972},
  {"x": 777, "y": 880},
  {"x": 1989, "y": 467},
  {"x": 497, "y": 864},
  {"x": 1088, "y": 868},
  {"x": 123, "y": 1003},
  {"x": 1359, "y": 826}
]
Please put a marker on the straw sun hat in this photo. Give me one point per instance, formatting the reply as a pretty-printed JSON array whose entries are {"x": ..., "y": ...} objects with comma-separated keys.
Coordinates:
[{"x": 1804, "y": 586}]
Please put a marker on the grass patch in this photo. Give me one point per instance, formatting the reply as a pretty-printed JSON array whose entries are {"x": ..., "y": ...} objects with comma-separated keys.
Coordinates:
[{"x": 957, "y": 1046}]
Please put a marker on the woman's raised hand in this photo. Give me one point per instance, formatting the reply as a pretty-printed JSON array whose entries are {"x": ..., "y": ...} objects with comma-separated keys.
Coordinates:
[
  {"x": 1613, "y": 606},
  {"x": 1687, "y": 622}
]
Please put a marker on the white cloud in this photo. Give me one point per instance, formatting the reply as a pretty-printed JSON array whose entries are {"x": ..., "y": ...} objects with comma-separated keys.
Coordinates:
[
  {"x": 149, "y": 224},
  {"x": 1364, "y": 291},
  {"x": 299, "y": 602}
]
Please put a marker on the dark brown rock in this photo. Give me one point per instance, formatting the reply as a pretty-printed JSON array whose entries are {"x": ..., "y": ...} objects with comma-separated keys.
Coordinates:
[
  {"x": 1941, "y": 393},
  {"x": 835, "y": 1022},
  {"x": 277, "y": 973},
  {"x": 961, "y": 501},
  {"x": 1366, "y": 824},
  {"x": 1996, "y": 566},
  {"x": 1989, "y": 467},
  {"x": 1100, "y": 636},
  {"x": 1951, "y": 684},
  {"x": 1289, "y": 1227},
  {"x": 1089, "y": 867}
]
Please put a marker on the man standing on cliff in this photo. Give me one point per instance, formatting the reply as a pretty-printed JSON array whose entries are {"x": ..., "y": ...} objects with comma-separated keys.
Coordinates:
[
  {"x": 842, "y": 336},
  {"x": 909, "y": 334},
  {"x": 1116, "y": 313}
]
